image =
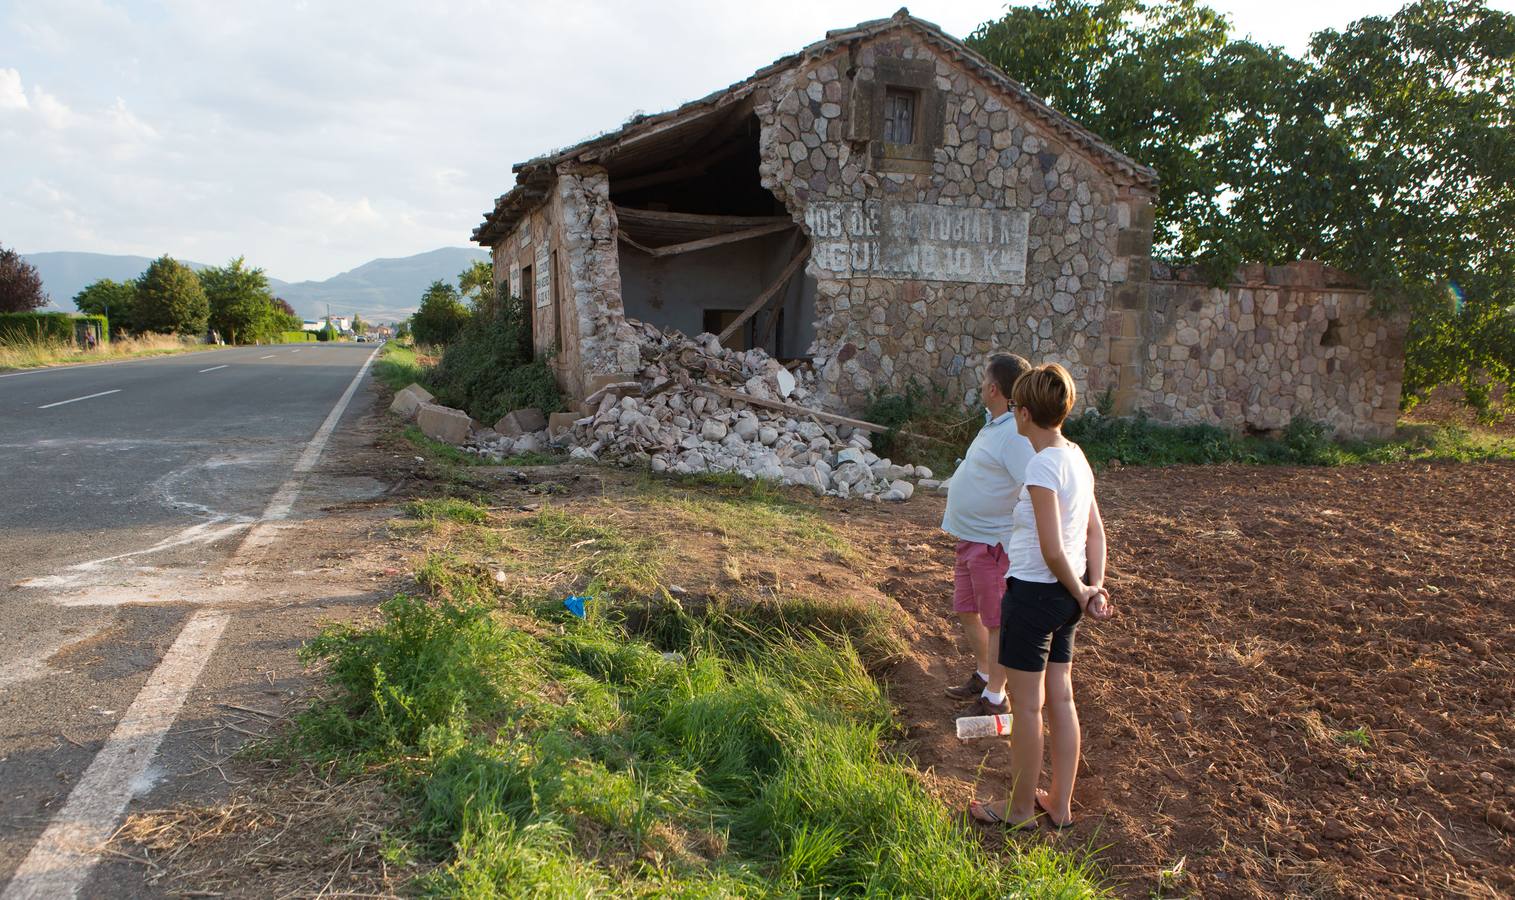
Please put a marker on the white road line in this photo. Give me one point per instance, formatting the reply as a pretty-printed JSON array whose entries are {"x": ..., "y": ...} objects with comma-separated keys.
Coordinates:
[
  {"x": 77, "y": 399},
  {"x": 294, "y": 351},
  {"x": 211, "y": 369},
  {"x": 269, "y": 356},
  {"x": 63, "y": 856}
]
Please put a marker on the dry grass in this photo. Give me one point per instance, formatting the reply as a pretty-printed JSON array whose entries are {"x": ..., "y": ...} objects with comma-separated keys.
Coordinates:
[{"x": 33, "y": 354}]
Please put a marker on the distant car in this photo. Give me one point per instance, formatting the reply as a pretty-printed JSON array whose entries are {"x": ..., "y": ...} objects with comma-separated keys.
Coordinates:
[{"x": 361, "y": 339}]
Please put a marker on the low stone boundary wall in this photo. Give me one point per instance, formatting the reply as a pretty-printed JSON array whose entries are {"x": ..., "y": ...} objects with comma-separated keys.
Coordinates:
[{"x": 1279, "y": 343}]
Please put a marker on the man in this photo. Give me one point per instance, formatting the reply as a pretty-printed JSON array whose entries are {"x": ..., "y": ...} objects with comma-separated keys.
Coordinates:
[{"x": 980, "y": 502}]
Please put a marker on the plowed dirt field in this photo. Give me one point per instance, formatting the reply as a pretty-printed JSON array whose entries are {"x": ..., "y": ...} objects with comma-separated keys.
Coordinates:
[{"x": 1307, "y": 691}]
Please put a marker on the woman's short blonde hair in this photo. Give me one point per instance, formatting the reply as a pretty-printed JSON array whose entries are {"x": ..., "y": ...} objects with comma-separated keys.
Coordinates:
[{"x": 1046, "y": 393}]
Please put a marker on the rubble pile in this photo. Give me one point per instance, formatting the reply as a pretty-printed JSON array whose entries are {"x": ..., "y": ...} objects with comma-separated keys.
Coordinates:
[{"x": 687, "y": 413}]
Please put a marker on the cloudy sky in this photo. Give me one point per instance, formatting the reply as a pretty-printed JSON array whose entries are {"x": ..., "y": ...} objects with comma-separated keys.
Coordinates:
[{"x": 314, "y": 136}]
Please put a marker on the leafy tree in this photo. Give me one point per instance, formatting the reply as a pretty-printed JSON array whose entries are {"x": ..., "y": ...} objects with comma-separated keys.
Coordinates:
[
  {"x": 20, "y": 284},
  {"x": 1424, "y": 99},
  {"x": 116, "y": 300},
  {"x": 440, "y": 316},
  {"x": 171, "y": 299},
  {"x": 358, "y": 325},
  {"x": 476, "y": 284},
  {"x": 1386, "y": 151},
  {"x": 242, "y": 308}
]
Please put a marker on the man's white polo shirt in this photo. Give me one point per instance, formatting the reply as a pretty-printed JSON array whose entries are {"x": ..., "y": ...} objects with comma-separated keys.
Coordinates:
[{"x": 981, "y": 497}]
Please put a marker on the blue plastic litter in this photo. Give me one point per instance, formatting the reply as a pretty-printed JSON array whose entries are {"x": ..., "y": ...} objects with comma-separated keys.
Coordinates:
[{"x": 575, "y": 605}]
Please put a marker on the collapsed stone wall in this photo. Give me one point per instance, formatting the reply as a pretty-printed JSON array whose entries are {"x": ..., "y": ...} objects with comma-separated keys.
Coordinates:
[
  {"x": 1279, "y": 343},
  {"x": 878, "y": 332}
]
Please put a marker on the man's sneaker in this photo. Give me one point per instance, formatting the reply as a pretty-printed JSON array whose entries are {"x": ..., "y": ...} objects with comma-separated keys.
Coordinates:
[
  {"x": 970, "y": 688},
  {"x": 982, "y": 707}
]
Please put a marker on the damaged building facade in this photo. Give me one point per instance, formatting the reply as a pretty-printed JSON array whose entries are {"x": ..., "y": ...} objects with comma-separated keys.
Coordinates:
[{"x": 886, "y": 205}]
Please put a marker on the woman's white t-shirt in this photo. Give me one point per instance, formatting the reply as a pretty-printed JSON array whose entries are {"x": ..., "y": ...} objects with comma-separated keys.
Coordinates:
[{"x": 1065, "y": 472}]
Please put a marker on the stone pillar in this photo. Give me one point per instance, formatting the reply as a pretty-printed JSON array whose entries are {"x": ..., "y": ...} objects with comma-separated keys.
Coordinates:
[
  {"x": 1126, "y": 323},
  {"x": 600, "y": 348}
]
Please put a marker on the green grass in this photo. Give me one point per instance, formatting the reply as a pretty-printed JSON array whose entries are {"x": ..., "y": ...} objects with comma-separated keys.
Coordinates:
[
  {"x": 547, "y": 755},
  {"x": 399, "y": 367},
  {"x": 450, "y": 509},
  {"x": 1357, "y": 737}
]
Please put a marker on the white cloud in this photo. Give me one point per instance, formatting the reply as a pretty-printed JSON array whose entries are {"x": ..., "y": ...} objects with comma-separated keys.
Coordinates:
[
  {"x": 11, "y": 94},
  {"x": 54, "y": 112}
]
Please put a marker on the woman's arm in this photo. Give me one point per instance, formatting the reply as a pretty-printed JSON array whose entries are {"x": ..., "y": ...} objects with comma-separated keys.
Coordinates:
[
  {"x": 1049, "y": 535},
  {"x": 1096, "y": 545}
]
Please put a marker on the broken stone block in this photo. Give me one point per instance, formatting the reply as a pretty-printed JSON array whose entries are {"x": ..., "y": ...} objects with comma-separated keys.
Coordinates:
[
  {"x": 534, "y": 442},
  {"x": 712, "y": 430},
  {"x": 929, "y": 484},
  {"x": 408, "y": 401},
  {"x": 583, "y": 454},
  {"x": 785, "y": 381},
  {"x": 900, "y": 490},
  {"x": 560, "y": 422},
  {"x": 849, "y": 455},
  {"x": 923, "y": 472},
  {"x": 767, "y": 436},
  {"x": 442, "y": 423},
  {"x": 745, "y": 428},
  {"x": 521, "y": 421}
]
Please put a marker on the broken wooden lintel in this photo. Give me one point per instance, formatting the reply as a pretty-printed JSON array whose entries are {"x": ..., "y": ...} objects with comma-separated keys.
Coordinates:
[
  {"x": 632, "y": 214},
  {"x": 628, "y": 241},
  {"x": 719, "y": 239},
  {"x": 762, "y": 299},
  {"x": 791, "y": 408}
]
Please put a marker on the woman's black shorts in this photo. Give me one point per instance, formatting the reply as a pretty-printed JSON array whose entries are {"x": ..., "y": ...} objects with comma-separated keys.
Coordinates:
[{"x": 1037, "y": 625}]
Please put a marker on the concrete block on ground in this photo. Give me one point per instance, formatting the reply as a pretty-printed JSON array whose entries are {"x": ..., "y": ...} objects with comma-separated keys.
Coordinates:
[
  {"x": 560, "y": 422},
  {"x": 441, "y": 423},
  {"x": 521, "y": 421},
  {"x": 408, "y": 401}
]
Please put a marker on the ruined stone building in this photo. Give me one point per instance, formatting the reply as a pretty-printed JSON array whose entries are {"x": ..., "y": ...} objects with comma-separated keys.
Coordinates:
[{"x": 886, "y": 204}]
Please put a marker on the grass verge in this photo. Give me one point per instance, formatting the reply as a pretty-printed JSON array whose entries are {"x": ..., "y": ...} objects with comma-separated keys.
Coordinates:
[
  {"x": 399, "y": 366},
  {"x": 649, "y": 748},
  {"x": 31, "y": 354}
]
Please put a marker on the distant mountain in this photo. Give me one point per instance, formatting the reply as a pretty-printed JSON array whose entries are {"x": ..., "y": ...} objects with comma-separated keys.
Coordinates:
[{"x": 380, "y": 290}]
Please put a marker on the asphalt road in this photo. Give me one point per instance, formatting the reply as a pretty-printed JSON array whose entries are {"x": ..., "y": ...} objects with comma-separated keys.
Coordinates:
[{"x": 125, "y": 491}]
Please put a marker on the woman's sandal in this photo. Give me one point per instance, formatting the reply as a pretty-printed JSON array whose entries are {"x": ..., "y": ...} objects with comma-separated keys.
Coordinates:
[
  {"x": 982, "y": 814},
  {"x": 1046, "y": 813}
]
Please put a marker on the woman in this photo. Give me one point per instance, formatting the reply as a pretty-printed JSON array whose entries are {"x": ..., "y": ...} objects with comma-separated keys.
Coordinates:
[{"x": 1058, "y": 536}]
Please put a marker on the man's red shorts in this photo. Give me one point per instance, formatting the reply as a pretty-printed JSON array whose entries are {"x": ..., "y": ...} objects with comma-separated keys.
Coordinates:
[{"x": 978, "y": 580}]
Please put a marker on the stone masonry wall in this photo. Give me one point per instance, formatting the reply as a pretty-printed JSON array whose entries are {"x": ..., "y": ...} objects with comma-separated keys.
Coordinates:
[
  {"x": 1282, "y": 342},
  {"x": 1087, "y": 237},
  {"x": 594, "y": 345}
]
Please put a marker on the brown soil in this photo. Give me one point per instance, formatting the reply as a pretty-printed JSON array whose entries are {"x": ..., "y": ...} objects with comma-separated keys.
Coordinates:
[{"x": 1263, "y": 613}]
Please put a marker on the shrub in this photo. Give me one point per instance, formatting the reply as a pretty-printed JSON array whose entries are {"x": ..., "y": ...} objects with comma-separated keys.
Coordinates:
[
  {"x": 488, "y": 369},
  {"x": 49, "y": 327},
  {"x": 296, "y": 337}
]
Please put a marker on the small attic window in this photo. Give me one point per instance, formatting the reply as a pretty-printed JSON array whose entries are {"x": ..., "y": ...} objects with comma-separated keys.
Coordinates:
[{"x": 900, "y": 106}]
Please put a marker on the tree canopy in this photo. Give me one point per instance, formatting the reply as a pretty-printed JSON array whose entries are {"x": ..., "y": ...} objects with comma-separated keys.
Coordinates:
[
  {"x": 441, "y": 314},
  {"x": 20, "y": 284},
  {"x": 242, "y": 308},
  {"x": 1387, "y": 150},
  {"x": 116, "y": 300},
  {"x": 171, "y": 299}
]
